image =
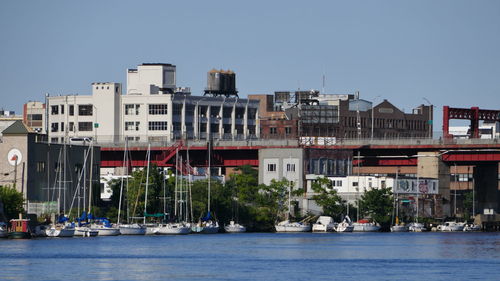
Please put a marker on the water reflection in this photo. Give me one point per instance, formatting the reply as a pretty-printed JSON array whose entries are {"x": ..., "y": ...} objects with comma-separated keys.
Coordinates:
[{"x": 385, "y": 256}]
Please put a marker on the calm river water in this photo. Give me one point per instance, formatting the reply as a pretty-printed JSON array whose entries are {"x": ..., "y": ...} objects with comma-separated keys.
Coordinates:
[{"x": 269, "y": 256}]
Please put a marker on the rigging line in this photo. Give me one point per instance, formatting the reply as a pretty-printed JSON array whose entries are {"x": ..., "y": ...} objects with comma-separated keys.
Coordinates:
[{"x": 79, "y": 180}]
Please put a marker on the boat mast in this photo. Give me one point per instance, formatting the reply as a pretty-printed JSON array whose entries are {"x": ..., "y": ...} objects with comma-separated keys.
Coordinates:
[
  {"x": 209, "y": 173},
  {"x": 176, "y": 181},
  {"x": 397, "y": 197},
  {"x": 418, "y": 190},
  {"x": 121, "y": 184},
  {"x": 90, "y": 176},
  {"x": 147, "y": 183},
  {"x": 189, "y": 189}
]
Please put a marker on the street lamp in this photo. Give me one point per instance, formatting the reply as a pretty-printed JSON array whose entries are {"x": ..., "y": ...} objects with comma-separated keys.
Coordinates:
[{"x": 430, "y": 117}]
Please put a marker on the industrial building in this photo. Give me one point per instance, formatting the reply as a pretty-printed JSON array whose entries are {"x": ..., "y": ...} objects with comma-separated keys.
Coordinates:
[
  {"x": 154, "y": 110},
  {"x": 309, "y": 114},
  {"x": 47, "y": 174}
]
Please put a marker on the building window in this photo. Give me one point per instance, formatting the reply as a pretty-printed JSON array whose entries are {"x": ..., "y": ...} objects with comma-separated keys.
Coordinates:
[
  {"x": 62, "y": 108},
  {"x": 35, "y": 117},
  {"x": 339, "y": 183},
  {"x": 288, "y": 130},
  {"x": 54, "y": 127},
  {"x": 271, "y": 167},
  {"x": 158, "y": 109},
  {"x": 71, "y": 110},
  {"x": 84, "y": 126},
  {"x": 40, "y": 167},
  {"x": 129, "y": 126},
  {"x": 273, "y": 131},
  {"x": 54, "y": 110},
  {"x": 54, "y": 140},
  {"x": 157, "y": 126},
  {"x": 71, "y": 126},
  {"x": 290, "y": 167},
  {"x": 132, "y": 109},
  {"x": 62, "y": 127},
  {"x": 85, "y": 110},
  {"x": 354, "y": 183}
]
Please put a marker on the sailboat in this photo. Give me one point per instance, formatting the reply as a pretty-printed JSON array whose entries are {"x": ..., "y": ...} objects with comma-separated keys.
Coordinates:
[
  {"x": 234, "y": 226},
  {"x": 102, "y": 225},
  {"x": 397, "y": 227},
  {"x": 345, "y": 225},
  {"x": 286, "y": 225},
  {"x": 61, "y": 227},
  {"x": 83, "y": 227},
  {"x": 127, "y": 228},
  {"x": 208, "y": 224},
  {"x": 180, "y": 206},
  {"x": 417, "y": 226}
]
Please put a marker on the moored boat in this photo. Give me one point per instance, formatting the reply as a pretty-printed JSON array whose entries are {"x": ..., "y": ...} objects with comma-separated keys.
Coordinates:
[
  {"x": 85, "y": 231},
  {"x": 416, "y": 227},
  {"x": 365, "y": 226},
  {"x": 234, "y": 228},
  {"x": 19, "y": 229},
  {"x": 174, "y": 228},
  {"x": 345, "y": 225},
  {"x": 324, "y": 224},
  {"x": 287, "y": 226},
  {"x": 472, "y": 227},
  {"x": 451, "y": 226},
  {"x": 132, "y": 229},
  {"x": 399, "y": 228},
  {"x": 3, "y": 230}
]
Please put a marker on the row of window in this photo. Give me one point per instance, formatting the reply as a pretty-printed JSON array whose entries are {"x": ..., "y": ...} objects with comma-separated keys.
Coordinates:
[
  {"x": 274, "y": 130},
  {"x": 82, "y": 126},
  {"x": 152, "y": 126},
  {"x": 83, "y": 109},
  {"x": 289, "y": 167}
]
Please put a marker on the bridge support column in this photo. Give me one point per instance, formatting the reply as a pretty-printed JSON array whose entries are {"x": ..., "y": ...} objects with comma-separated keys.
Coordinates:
[
  {"x": 486, "y": 188},
  {"x": 430, "y": 165}
]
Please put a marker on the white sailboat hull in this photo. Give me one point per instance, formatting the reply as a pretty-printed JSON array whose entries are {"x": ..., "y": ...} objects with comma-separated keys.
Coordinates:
[
  {"x": 399, "y": 228},
  {"x": 365, "y": 227},
  {"x": 344, "y": 227},
  {"x": 451, "y": 227},
  {"x": 151, "y": 230},
  {"x": 286, "y": 226},
  {"x": 237, "y": 228},
  {"x": 60, "y": 232},
  {"x": 132, "y": 229},
  {"x": 85, "y": 232},
  {"x": 416, "y": 227},
  {"x": 106, "y": 231},
  {"x": 174, "y": 229}
]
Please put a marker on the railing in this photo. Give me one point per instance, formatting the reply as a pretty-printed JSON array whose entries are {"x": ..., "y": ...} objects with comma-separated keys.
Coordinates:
[{"x": 160, "y": 141}]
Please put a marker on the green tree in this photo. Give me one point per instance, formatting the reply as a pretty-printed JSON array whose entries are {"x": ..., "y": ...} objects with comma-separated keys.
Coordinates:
[
  {"x": 378, "y": 204},
  {"x": 12, "y": 201},
  {"x": 327, "y": 197},
  {"x": 467, "y": 204},
  {"x": 134, "y": 193}
]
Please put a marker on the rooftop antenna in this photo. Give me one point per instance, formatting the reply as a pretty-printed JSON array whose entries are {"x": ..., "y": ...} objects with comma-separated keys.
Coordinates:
[{"x": 323, "y": 89}]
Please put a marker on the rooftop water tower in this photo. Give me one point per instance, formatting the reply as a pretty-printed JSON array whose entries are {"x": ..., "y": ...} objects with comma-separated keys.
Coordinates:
[{"x": 221, "y": 83}]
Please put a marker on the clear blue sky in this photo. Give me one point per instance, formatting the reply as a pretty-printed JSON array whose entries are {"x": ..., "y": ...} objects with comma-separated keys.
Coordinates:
[{"x": 403, "y": 51}]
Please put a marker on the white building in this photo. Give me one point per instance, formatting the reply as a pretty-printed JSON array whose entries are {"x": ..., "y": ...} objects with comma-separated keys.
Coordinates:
[
  {"x": 351, "y": 188},
  {"x": 152, "y": 110}
]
